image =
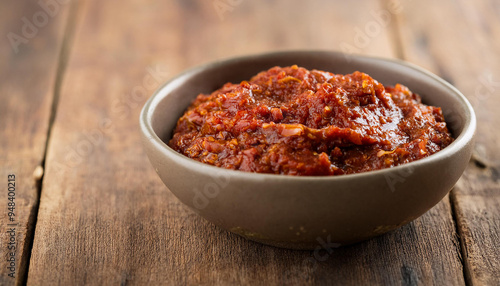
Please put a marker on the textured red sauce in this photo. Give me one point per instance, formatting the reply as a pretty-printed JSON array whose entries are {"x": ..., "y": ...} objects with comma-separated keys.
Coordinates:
[{"x": 296, "y": 121}]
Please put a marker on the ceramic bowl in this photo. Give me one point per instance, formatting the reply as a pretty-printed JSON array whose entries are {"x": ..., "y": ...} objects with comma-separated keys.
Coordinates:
[{"x": 307, "y": 212}]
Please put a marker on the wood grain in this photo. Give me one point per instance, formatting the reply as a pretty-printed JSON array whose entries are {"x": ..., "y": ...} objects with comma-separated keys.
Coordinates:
[
  {"x": 465, "y": 51},
  {"x": 28, "y": 57},
  {"x": 106, "y": 218}
]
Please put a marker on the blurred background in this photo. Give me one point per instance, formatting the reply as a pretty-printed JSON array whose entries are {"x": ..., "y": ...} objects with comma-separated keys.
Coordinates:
[{"x": 74, "y": 75}]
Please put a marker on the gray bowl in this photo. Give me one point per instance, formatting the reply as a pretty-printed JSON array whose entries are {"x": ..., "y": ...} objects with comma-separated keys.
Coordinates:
[{"x": 307, "y": 212}]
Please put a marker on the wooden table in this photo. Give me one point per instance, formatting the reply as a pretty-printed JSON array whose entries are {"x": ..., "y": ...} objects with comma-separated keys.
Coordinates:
[{"x": 89, "y": 208}]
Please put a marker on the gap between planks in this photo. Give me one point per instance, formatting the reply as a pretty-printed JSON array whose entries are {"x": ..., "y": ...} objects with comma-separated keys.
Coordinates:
[
  {"x": 461, "y": 242},
  {"x": 62, "y": 61}
]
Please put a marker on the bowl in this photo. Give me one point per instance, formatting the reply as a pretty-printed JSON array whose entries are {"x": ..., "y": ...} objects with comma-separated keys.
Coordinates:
[{"x": 307, "y": 212}]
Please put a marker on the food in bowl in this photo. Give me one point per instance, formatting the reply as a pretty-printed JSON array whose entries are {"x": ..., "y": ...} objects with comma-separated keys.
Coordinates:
[
  {"x": 296, "y": 121},
  {"x": 302, "y": 212}
]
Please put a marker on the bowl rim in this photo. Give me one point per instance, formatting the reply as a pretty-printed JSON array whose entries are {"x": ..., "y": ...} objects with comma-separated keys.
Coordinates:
[{"x": 163, "y": 91}]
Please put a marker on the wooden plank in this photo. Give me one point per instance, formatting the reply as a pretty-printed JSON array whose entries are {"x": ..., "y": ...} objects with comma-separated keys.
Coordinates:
[
  {"x": 29, "y": 50},
  {"x": 106, "y": 218},
  {"x": 465, "y": 51}
]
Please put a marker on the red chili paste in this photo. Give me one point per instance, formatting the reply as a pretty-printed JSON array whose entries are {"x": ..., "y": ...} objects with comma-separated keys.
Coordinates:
[{"x": 296, "y": 121}]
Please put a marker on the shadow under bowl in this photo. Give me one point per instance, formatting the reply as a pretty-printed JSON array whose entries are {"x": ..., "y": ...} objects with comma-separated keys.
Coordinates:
[{"x": 307, "y": 212}]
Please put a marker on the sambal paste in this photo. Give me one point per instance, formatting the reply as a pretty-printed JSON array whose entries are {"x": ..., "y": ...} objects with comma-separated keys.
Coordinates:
[{"x": 296, "y": 121}]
